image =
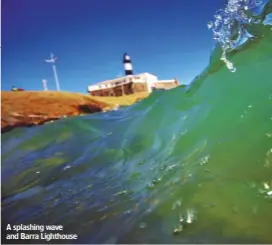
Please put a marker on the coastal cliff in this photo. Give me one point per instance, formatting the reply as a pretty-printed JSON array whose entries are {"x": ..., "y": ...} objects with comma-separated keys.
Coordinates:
[{"x": 30, "y": 108}]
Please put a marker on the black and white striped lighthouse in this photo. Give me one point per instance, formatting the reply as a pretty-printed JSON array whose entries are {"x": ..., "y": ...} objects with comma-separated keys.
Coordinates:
[{"x": 127, "y": 64}]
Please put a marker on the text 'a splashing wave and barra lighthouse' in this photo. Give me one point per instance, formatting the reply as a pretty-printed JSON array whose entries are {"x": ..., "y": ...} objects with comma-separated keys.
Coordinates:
[{"x": 230, "y": 25}]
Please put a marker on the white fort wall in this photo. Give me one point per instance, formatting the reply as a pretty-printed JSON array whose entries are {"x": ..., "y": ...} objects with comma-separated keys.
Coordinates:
[
  {"x": 147, "y": 78},
  {"x": 140, "y": 78}
]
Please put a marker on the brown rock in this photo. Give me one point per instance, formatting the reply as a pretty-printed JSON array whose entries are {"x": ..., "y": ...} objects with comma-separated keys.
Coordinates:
[{"x": 30, "y": 108}]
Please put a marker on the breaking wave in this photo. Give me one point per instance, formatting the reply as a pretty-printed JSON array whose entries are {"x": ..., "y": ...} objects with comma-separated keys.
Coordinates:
[{"x": 231, "y": 24}]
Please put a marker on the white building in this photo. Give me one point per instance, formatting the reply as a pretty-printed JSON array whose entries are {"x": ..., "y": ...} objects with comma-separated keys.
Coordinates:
[{"x": 131, "y": 84}]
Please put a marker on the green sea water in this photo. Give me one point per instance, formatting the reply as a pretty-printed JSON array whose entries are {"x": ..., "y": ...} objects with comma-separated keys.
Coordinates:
[{"x": 188, "y": 165}]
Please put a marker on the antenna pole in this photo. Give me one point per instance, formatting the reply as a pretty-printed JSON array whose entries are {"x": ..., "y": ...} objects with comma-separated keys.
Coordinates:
[
  {"x": 44, "y": 83},
  {"x": 56, "y": 76},
  {"x": 53, "y": 62}
]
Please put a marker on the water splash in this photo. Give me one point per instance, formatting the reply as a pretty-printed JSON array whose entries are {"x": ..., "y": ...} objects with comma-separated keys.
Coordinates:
[{"x": 229, "y": 25}]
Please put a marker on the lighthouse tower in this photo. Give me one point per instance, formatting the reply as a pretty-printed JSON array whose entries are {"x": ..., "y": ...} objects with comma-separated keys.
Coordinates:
[{"x": 127, "y": 64}]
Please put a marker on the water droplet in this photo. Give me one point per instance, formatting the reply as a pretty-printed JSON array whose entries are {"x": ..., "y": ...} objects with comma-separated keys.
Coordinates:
[
  {"x": 184, "y": 132},
  {"x": 121, "y": 193},
  {"x": 269, "y": 193},
  {"x": 266, "y": 186},
  {"x": 204, "y": 160},
  {"x": 190, "y": 216},
  {"x": 140, "y": 162},
  {"x": 155, "y": 181},
  {"x": 37, "y": 172},
  {"x": 103, "y": 209},
  {"x": 210, "y": 25},
  {"x": 177, "y": 230},
  {"x": 103, "y": 217},
  {"x": 268, "y": 153},
  {"x": 128, "y": 212},
  {"x": 181, "y": 219},
  {"x": 267, "y": 164},
  {"x": 176, "y": 180},
  {"x": 171, "y": 167},
  {"x": 66, "y": 167},
  {"x": 252, "y": 185},
  {"x": 232, "y": 69},
  {"x": 142, "y": 225},
  {"x": 150, "y": 185},
  {"x": 177, "y": 204}
]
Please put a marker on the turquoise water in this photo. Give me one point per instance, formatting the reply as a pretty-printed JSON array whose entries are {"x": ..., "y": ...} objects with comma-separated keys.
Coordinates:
[{"x": 189, "y": 165}]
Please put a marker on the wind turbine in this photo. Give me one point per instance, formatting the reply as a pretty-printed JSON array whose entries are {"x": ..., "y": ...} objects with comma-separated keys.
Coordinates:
[{"x": 52, "y": 61}]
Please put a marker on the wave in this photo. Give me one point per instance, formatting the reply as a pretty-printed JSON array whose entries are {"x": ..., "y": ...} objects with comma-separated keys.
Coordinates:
[{"x": 230, "y": 27}]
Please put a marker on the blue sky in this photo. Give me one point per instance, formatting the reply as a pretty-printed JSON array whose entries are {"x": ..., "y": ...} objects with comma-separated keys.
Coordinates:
[{"x": 168, "y": 38}]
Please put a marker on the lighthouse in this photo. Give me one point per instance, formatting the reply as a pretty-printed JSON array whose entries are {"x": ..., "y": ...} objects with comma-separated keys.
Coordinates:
[{"x": 127, "y": 64}]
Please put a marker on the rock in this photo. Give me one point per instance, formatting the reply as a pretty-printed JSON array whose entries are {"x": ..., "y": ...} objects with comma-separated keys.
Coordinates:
[{"x": 30, "y": 108}]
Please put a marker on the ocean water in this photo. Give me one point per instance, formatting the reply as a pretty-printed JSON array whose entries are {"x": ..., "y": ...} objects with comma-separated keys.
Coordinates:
[{"x": 188, "y": 165}]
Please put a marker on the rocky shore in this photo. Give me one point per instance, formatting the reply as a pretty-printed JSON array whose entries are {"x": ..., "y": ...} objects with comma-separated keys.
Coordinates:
[{"x": 28, "y": 108}]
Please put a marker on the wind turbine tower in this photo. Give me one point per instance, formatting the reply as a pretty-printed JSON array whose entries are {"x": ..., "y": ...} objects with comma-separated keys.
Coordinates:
[{"x": 52, "y": 61}]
